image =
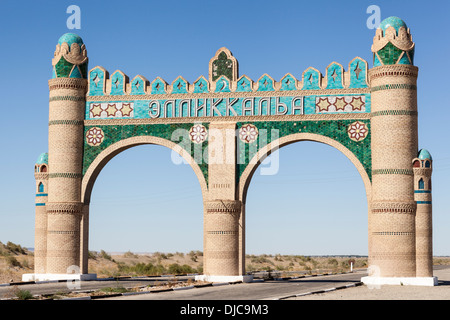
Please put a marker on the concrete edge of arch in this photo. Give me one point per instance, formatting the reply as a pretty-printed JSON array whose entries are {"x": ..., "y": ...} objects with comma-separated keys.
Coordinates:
[
  {"x": 58, "y": 277},
  {"x": 224, "y": 279},
  {"x": 372, "y": 281}
]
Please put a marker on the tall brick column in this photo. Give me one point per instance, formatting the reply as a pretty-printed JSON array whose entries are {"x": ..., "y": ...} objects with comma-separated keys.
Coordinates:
[
  {"x": 222, "y": 211},
  {"x": 394, "y": 144},
  {"x": 64, "y": 206}
]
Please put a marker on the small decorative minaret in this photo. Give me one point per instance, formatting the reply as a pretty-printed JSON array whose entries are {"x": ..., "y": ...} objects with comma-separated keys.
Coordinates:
[
  {"x": 40, "y": 235},
  {"x": 422, "y": 166}
]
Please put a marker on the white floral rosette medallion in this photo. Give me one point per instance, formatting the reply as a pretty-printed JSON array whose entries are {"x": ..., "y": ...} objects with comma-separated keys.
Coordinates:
[
  {"x": 198, "y": 133},
  {"x": 357, "y": 131},
  {"x": 248, "y": 133},
  {"x": 94, "y": 136}
]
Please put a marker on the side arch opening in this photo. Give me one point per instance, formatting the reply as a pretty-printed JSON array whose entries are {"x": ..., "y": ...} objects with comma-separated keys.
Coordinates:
[
  {"x": 157, "y": 210},
  {"x": 277, "y": 205},
  {"x": 106, "y": 155}
]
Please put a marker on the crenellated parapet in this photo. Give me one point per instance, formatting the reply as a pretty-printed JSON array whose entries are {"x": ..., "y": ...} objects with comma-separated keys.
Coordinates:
[
  {"x": 221, "y": 80},
  {"x": 226, "y": 93}
]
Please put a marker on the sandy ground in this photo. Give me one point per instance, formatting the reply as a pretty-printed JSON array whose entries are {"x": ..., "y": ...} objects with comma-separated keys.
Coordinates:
[{"x": 390, "y": 292}]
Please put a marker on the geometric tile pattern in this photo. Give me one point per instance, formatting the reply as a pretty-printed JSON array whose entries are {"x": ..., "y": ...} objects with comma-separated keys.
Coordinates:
[
  {"x": 357, "y": 131},
  {"x": 248, "y": 133},
  {"x": 335, "y": 104},
  {"x": 111, "y": 110}
]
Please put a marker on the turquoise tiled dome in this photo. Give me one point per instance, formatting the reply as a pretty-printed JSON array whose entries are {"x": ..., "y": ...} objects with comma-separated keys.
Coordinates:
[
  {"x": 392, "y": 22},
  {"x": 397, "y": 50},
  {"x": 70, "y": 38},
  {"x": 43, "y": 159},
  {"x": 424, "y": 154},
  {"x": 73, "y": 65}
]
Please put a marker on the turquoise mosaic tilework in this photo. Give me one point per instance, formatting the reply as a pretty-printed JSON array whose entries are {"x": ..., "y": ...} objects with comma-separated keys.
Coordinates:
[
  {"x": 42, "y": 159},
  {"x": 223, "y": 85},
  {"x": 63, "y": 68},
  {"x": 288, "y": 83},
  {"x": 358, "y": 73},
  {"x": 424, "y": 154},
  {"x": 114, "y": 134},
  {"x": 216, "y": 107},
  {"x": 395, "y": 22},
  {"x": 309, "y": 106},
  {"x": 180, "y": 86},
  {"x": 76, "y": 73},
  {"x": 97, "y": 78},
  {"x": 244, "y": 85},
  {"x": 368, "y": 102},
  {"x": 376, "y": 61},
  {"x": 70, "y": 38},
  {"x": 265, "y": 83},
  {"x": 158, "y": 86},
  {"x": 334, "y": 76},
  {"x": 404, "y": 59},
  {"x": 138, "y": 86},
  {"x": 226, "y": 106},
  {"x": 117, "y": 84},
  {"x": 201, "y": 85},
  {"x": 389, "y": 54},
  {"x": 336, "y": 130},
  {"x": 311, "y": 79}
]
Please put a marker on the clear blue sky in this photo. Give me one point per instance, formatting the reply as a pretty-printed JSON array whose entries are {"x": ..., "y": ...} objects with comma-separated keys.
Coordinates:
[{"x": 143, "y": 202}]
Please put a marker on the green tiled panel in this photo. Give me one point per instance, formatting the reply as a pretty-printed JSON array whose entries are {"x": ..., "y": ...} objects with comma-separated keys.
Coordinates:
[
  {"x": 389, "y": 54},
  {"x": 336, "y": 130},
  {"x": 115, "y": 134},
  {"x": 63, "y": 68},
  {"x": 84, "y": 69},
  {"x": 222, "y": 66}
]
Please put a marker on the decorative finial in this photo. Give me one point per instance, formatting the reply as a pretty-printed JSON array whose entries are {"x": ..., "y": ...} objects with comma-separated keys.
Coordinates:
[
  {"x": 70, "y": 58},
  {"x": 392, "y": 43}
]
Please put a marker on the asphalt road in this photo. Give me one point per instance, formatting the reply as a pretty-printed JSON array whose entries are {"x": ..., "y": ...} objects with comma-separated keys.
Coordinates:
[
  {"x": 68, "y": 286},
  {"x": 259, "y": 290}
]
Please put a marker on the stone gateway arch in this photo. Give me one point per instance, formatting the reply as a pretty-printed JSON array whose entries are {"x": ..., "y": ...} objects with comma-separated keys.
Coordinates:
[{"x": 224, "y": 126}]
